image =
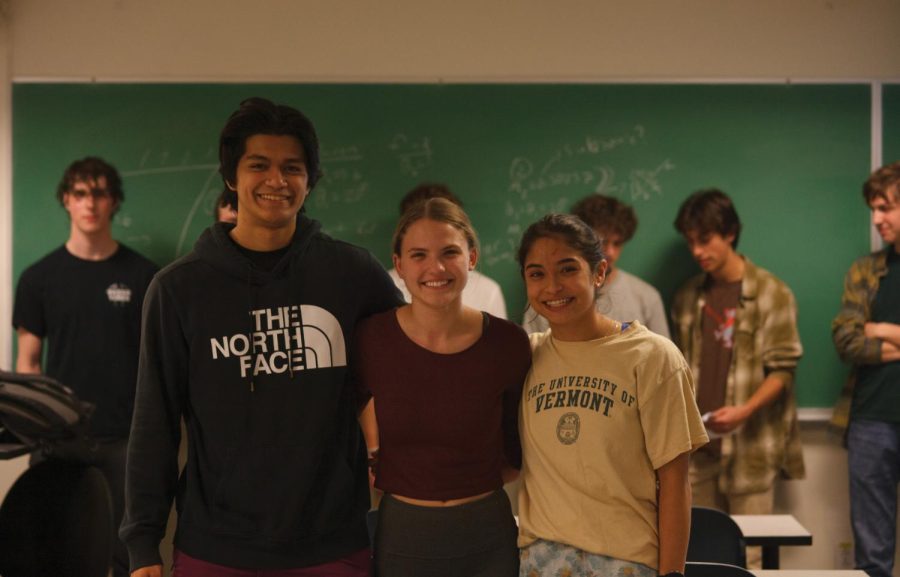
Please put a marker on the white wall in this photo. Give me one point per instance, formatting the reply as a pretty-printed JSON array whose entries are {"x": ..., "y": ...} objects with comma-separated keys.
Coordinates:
[
  {"x": 428, "y": 39},
  {"x": 819, "y": 501},
  {"x": 465, "y": 40}
]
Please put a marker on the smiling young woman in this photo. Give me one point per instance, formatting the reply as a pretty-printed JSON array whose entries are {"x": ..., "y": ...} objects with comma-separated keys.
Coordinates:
[
  {"x": 440, "y": 410},
  {"x": 608, "y": 419}
]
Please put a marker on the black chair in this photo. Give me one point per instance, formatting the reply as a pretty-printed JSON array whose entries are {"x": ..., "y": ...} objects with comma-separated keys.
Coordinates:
[
  {"x": 57, "y": 520},
  {"x": 716, "y": 538},
  {"x": 698, "y": 569}
]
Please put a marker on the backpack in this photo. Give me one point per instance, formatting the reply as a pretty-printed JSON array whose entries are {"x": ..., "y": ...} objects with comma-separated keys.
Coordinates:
[{"x": 37, "y": 413}]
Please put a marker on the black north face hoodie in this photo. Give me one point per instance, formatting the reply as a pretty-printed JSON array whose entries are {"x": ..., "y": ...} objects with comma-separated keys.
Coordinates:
[{"x": 256, "y": 364}]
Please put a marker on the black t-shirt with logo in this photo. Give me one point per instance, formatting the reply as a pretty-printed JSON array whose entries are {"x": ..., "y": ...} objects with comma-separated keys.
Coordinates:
[{"x": 89, "y": 313}]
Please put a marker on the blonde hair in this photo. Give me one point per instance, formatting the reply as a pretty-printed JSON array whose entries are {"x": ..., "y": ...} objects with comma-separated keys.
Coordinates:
[{"x": 438, "y": 210}]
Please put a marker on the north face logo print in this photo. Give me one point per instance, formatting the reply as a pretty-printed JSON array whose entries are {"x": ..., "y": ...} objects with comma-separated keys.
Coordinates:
[{"x": 292, "y": 338}]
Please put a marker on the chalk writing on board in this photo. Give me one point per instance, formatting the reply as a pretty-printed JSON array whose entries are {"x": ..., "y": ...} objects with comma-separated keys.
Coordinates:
[
  {"x": 201, "y": 199},
  {"x": 500, "y": 250},
  {"x": 645, "y": 183},
  {"x": 342, "y": 181},
  {"x": 552, "y": 182},
  {"x": 161, "y": 158},
  {"x": 328, "y": 155},
  {"x": 586, "y": 164},
  {"x": 413, "y": 153},
  {"x": 340, "y": 185},
  {"x": 342, "y": 229}
]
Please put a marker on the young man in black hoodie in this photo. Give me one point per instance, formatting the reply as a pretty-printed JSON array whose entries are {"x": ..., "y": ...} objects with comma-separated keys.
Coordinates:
[{"x": 246, "y": 340}]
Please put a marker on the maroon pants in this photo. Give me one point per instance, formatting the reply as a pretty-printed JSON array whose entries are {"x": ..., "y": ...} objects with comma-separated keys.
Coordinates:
[{"x": 358, "y": 564}]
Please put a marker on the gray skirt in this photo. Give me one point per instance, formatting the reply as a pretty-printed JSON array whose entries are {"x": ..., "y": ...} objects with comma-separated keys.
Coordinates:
[{"x": 471, "y": 540}]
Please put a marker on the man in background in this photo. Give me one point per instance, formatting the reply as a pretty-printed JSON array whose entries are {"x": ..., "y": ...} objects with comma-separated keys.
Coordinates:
[
  {"x": 226, "y": 207},
  {"x": 481, "y": 292},
  {"x": 625, "y": 297},
  {"x": 84, "y": 299},
  {"x": 736, "y": 324},
  {"x": 866, "y": 333}
]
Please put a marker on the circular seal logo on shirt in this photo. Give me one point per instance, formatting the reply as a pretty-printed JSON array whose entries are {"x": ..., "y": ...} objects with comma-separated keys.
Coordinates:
[{"x": 568, "y": 428}]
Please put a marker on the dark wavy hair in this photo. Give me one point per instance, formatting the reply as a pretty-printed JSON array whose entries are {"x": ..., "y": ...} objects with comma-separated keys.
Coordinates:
[
  {"x": 881, "y": 182},
  {"x": 91, "y": 168},
  {"x": 707, "y": 211},
  {"x": 571, "y": 230},
  {"x": 607, "y": 214},
  {"x": 261, "y": 116}
]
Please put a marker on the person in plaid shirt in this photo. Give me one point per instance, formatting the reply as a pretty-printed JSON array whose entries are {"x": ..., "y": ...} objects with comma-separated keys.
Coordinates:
[
  {"x": 866, "y": 333},
  {"x": 736, "y": 324}
]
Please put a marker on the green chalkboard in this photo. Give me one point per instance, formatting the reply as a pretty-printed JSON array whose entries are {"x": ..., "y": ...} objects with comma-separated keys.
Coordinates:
[
  {"x": 793, "y": 157},
  {"x": 890, "y": 128}
]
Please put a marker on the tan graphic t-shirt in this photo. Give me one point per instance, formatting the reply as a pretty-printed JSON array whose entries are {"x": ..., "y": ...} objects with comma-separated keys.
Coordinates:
[{"x": 598, "y": 418}]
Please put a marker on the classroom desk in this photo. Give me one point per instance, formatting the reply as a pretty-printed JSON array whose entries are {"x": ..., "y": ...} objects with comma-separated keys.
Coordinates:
[
  {"x": 772, "y": 531},
  {"x": 808, "y": 573}
]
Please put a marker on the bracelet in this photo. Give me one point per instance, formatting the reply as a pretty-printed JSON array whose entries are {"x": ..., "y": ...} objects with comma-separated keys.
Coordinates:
[{"x": 373, "y": 458}]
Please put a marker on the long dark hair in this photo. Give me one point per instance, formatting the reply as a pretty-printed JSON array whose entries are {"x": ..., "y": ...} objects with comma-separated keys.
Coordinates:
[{"x": 571, "y": 230}]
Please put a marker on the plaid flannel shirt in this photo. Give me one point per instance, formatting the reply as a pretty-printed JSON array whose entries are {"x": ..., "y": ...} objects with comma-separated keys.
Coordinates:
[
  {"x": 848, "y": 327},
  {"x": 766, "y": 342}
]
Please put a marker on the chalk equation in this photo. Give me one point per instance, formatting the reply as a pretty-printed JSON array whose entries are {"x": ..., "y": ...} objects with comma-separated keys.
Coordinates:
[
  {"x": 338, "y": 186},
  {"x": 581, "y": 164},
  {"x": 591, "y": 164},
  {"x": 413, "y": 153},
  {"x": 162, "y": 160},
  {"x": 345, "y": 181}
]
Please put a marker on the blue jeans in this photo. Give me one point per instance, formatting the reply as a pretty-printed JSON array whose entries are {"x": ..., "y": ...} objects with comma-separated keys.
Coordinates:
[{"x": 874, "y": 460}]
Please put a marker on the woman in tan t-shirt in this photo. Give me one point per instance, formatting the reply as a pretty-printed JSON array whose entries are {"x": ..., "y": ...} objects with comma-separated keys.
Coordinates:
[{"x": 607, "y": 422}]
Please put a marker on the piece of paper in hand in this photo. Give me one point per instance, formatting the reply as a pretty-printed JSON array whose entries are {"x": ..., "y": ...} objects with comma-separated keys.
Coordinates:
[{"x": 712, "y": 434}]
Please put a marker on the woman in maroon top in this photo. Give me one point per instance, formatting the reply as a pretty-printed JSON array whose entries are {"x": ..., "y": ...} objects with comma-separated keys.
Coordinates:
[{"x": 441, "y": 384}]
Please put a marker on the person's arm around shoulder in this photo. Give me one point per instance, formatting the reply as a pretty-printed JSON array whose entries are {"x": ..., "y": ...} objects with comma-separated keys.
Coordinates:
[
  {"x": 28, "y": 359},
  {"x": 674, "y": 513}
]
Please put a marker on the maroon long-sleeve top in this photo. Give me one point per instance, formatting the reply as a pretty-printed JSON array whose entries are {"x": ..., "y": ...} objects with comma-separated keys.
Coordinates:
[{"x": 447, "y": 423}]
